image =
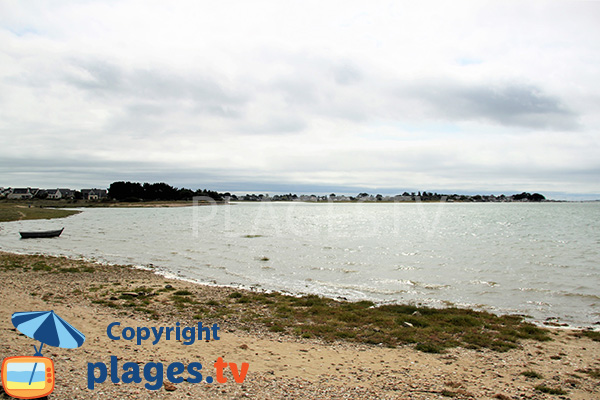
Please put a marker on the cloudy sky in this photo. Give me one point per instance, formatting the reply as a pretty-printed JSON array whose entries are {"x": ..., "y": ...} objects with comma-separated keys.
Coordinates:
[{"x": 302, "y": 96}]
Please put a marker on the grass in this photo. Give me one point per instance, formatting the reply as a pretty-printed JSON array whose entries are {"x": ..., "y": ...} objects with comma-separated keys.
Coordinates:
[
  {"x": 40, "y": 263},
  {"x": 593, "y": 372},
  {"x": 531, "y": 374},
  {"x": 429, "y": 330},
  {"x": 448, "y": 393},
  {"x": 16, "y": 211},
  {"x": 550, "y": 390},
  {"x": 594, "y": 335},
  {"x": 182, "y": 301}
]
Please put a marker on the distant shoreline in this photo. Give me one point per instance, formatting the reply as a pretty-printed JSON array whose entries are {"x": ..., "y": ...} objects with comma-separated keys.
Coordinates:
[{"x": 16, "y": 210}]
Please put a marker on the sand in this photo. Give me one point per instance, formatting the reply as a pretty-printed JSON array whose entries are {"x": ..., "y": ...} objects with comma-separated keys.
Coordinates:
[{"x": 280, "y": 366}]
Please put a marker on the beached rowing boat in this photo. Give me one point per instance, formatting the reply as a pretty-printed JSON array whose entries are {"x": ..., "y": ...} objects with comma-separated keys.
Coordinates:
[{"x": 41, "y": 234}]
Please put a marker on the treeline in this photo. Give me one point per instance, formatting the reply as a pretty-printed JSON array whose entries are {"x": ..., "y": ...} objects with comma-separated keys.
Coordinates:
[
  {"x": 135, "y": 191},
  {"x": 425, "y": 196},
  {"x": 528, "y": 197}
]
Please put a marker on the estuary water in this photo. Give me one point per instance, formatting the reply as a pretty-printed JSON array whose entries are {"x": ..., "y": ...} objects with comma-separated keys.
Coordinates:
[{"x": 541, "y": 260}]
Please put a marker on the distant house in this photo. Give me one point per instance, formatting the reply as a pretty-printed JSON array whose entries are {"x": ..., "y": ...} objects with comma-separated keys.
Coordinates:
[
  {"x": 60, "y": 194},
  {"x": 53, "y": 193},
  {"x": 20, "y": 194},
  {"x": 94, "y": 194}
]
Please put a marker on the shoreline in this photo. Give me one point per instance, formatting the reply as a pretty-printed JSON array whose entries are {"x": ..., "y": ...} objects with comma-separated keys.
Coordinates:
[
  {"x": 282, "y": 365},
  {"x": 549, "y": 322}
]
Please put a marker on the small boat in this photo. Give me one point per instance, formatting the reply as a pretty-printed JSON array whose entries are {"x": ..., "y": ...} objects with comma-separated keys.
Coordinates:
[{"x": 41, "y": 234}]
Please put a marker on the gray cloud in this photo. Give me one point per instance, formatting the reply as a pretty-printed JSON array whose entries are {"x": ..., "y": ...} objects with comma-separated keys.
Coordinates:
[
  {"x": 322, "y": 87},
  {"x": 100, "y": 78},
  {"x": 326, "y": 87},
  {"x": 347, "y": 74},
  {"x": 514, "y": 104},
  {"x": 95, "y": 76}
]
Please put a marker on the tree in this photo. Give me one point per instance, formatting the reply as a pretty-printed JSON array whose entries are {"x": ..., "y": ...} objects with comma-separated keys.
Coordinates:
[
  {"x": 134, "y": 191},
  {"x": 185, "y": 194},
  {"x": 159, "y": 191},
  {"x": 522, "y": 196},
  {"x": 537, "y": 197},
  {"x": 126, "y": 190}
]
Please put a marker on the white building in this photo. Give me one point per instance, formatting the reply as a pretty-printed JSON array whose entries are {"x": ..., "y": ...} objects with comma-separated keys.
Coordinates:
[
  {"x": 20, "y": 194},
  {"x": 60, "y": 194}
]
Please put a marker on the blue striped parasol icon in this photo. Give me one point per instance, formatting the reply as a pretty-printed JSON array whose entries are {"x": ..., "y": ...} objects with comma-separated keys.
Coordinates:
[{"x": 48, "y": 328}]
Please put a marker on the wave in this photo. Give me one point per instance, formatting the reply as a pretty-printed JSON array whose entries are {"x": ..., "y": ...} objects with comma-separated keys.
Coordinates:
[
  {"x": 334, "y": 269},
  {"x": 485, "y": 283}
]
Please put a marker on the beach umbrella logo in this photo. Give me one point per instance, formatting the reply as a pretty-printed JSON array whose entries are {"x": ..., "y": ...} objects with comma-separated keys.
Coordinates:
[{"x": 33, "y": 377}]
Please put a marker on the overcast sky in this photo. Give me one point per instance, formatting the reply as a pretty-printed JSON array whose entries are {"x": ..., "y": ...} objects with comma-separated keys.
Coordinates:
[{"x": 302, "y": 96}]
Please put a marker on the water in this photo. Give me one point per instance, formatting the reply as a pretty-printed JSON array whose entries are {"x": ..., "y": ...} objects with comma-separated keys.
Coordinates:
[{"x": 540, "y": 260}]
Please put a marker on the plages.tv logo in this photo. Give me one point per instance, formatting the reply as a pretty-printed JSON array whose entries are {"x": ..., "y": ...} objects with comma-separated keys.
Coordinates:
[{"x": 26, "y": 377}]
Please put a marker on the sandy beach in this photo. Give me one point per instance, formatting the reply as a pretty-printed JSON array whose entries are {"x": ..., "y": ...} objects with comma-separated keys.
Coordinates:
[{"x": 279, "y": 365}]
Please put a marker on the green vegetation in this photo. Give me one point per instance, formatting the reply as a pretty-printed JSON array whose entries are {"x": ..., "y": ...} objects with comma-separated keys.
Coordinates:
[
  {"x": 16, "y": 211},
  {"x": 431, "y": 330},
  {"x": 72, "y": 203},
  {"x": 594, "y": 335},
  {"x": 549, "y": 390},
  {"x": 124, "y": 194},
  {"x": 531, "y": 374},
  {"x": 448, "y": 393},
  {"x": 593, "y": 372},
  {"x": 427, "y": 329},
  {"x": 135, "y": 191},
  {"x": 39, "y": 263},
  {"x": 182, "y": 301}
]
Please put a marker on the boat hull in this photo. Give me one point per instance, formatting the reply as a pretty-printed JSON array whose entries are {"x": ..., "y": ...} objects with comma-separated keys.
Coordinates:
[{"x": 41, "y": 234}]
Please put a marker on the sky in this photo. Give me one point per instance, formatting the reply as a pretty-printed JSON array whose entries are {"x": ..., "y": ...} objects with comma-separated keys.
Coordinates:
[{"x": 303, "y": 96}]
